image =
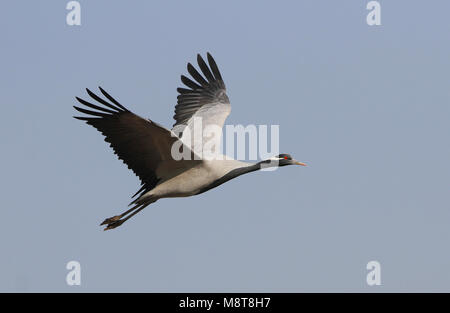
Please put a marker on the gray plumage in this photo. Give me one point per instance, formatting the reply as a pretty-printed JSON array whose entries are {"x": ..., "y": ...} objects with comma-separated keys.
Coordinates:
[{"x": 145, "y": 146}]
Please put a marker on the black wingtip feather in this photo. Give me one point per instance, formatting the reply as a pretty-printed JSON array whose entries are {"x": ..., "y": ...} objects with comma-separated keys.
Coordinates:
[
  {"x": 196, "y": 75},
  {"x": 214, "y": 68},
  {"x": 184, "y": 90},
  {"x": 110, "y": 98},
  {"x": 205, "y": 69},
  {"x": 102, "y": 101},
  {"x": 89, "y": 112},
  {"x": 95, "y": 107},
  {"x": 86, "y": 119},
  {"x": 190, "y": 83}
]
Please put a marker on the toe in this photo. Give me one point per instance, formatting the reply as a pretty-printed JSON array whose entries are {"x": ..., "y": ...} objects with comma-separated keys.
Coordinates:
[
  {"x": 111, "y": 220},
  {"x": 113, "y": 225}
]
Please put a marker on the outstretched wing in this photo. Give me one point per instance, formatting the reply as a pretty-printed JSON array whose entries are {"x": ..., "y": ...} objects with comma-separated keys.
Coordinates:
[
  {"x": 204, "y": 101},
  {"x": 140, "y": 143}
]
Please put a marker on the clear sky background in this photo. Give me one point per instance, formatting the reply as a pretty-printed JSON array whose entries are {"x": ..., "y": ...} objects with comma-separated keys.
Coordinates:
[{"x": 367, "y": 107}]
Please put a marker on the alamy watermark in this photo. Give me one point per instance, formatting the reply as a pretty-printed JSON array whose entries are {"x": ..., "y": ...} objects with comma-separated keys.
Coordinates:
[
  {"x": 373, "y": 278},
  {"x": 374, "y": 16},
  {"x": 206, "y": 141},
  {"x": 73, "y": 277},
  {"x": 74, "y": 15}
]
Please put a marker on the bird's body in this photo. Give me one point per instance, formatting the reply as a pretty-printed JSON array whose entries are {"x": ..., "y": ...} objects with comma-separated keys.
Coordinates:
[
  {"x": 200, "y": 176},
  {"x": 152, "y": 152}
]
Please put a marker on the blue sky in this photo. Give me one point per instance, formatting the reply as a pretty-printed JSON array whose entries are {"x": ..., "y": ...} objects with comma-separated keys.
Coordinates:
[{"x": 367, "y": 107}]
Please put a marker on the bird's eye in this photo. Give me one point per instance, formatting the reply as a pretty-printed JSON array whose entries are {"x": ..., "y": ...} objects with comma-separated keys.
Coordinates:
[{"x": 285, "y": 158}]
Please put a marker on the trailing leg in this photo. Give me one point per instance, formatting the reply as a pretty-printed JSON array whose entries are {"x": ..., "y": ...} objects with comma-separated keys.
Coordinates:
[{"x": 118, "y": 220}]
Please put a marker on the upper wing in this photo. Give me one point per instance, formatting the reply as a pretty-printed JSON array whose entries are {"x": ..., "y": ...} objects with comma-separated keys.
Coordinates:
[
  {"x": 140, "y": 143},
  {"x": 204, "y": 104}
]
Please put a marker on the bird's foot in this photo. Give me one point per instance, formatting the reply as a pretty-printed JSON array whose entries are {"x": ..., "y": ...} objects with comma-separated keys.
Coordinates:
[
  {"x": 114, "y": 224},
  {"x": 111, "y": 220}
]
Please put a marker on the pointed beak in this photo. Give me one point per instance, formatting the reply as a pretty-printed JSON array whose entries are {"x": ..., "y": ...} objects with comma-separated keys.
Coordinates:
[{"x": 299, "y": 163}]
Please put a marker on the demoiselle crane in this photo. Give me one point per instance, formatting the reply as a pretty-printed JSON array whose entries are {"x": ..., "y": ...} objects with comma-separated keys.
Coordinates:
[{"x": 147, "y": 148}]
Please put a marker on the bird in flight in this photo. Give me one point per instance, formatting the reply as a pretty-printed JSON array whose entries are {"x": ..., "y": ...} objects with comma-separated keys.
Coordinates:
[{"x": 147, "y": 147}]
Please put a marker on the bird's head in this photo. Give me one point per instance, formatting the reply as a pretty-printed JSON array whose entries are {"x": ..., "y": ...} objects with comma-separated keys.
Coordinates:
[{"x": 281, "y": 160}]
